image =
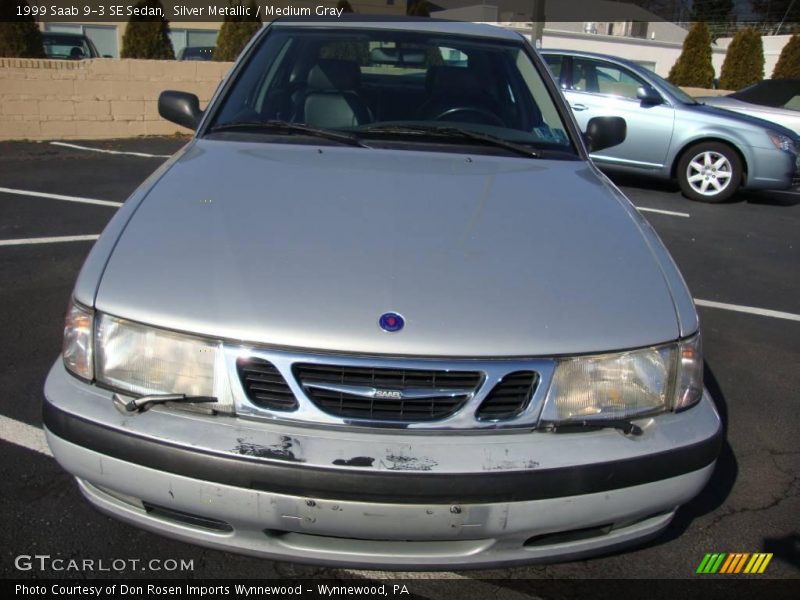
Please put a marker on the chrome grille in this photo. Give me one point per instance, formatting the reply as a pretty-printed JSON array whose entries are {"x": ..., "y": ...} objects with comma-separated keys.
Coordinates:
[
  {"x": 443, "y": 394},
  {"x": 509, "y": 397},
  {"x": 264, "y": 384},
  {"x": 386, "y": 394}
]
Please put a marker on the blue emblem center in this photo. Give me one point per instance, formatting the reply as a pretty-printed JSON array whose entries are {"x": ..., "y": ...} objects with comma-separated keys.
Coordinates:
[{"x": 391, "y": 322}]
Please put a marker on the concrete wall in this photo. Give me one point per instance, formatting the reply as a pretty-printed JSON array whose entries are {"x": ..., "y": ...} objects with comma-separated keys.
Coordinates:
[{"x": 102, "y": 98}]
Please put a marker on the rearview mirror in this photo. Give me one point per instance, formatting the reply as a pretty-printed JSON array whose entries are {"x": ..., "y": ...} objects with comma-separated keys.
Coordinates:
[
  {"x": 181, "y": 108},
  {"x": 605, "y": 132},
  {"x": 648, "y": 95}
]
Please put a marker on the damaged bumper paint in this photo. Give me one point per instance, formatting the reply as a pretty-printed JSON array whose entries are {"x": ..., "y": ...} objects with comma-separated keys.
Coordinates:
[{"x": 378, "y": 498}]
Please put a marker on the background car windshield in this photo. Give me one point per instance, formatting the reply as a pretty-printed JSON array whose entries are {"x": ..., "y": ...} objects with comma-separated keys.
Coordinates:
[{"x": 354, "y": 80}]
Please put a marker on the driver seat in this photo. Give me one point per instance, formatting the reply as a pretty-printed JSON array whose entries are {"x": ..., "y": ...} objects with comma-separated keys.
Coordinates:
[{"x": 454, "y": 87}]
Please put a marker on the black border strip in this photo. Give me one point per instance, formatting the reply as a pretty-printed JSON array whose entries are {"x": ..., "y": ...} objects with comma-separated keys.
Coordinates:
[{"x": 383, "y": 487}]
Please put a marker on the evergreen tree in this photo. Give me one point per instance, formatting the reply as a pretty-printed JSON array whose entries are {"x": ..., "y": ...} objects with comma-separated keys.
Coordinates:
[
  {"x": 418, "y": 8},
  {"x": 344, "y": 6},
  {"x": 235, "y": 32},
  {"x": 693, "y": 67},
  {"x": 788, "y": 65},
  {"x": 19, "y": 36},
  {"x": 146, "y": 36},
  {"x": 744, "y": 61}
]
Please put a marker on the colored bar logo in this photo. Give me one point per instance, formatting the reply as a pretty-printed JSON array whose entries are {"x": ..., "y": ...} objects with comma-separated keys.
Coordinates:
[{"x": 734, "y": 563}]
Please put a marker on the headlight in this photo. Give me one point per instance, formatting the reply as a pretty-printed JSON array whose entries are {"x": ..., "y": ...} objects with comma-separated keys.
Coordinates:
[
  {"x": 144, "y": 360},
  {"x": 782, "y": 142},
  {"x": 77, "y": 348},
  {"x": 627, "y": 384}
]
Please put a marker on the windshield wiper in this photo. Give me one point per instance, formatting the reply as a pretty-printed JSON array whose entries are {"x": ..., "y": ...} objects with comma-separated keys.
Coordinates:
[
  {"x": 454, "y": 133},
  {"x": 285, "y": 126},
  {"x": 139, "y": 405},
  {"x": 623, "y": 425}
]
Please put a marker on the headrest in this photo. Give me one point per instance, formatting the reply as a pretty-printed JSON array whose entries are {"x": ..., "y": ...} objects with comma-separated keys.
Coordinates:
[
  {"x": 451, "y": 80},
  {"x": 334, "y": 74}
]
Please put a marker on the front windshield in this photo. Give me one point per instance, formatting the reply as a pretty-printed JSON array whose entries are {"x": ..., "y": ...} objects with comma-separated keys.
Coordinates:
[{"x": 375, "y": 83}]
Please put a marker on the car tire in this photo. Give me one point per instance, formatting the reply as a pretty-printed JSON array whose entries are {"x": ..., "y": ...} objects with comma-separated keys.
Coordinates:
[{"x": 709, "y": 172}]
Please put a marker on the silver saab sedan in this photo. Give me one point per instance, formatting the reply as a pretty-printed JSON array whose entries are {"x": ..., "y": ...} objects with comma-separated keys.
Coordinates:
[
  {"x": 711, "y": 153},
  {"x": 383, "y": 311}
]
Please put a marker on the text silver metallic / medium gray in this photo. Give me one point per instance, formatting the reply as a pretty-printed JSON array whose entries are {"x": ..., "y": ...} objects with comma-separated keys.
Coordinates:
[{"x": 383, "y": 311}]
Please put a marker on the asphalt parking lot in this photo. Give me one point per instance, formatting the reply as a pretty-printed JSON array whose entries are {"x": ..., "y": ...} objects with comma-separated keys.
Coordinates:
[{"x": 744, "y": 255}]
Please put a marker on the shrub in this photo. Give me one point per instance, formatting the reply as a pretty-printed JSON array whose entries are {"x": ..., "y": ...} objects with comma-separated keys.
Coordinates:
[
  {"x": 146, "y": 36},
  {"x": 419, "y": 8},
  {"x": 744, "y": 61},
  {"x": 788, "y": 65},
  {"x": 19, "y": 36},
  {"x": 234, "y": 34},
  {"x": 693, "y": 67}
]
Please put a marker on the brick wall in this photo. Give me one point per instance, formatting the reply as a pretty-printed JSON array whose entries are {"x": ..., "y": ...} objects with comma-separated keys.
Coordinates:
[{"x": 101, "y": 98}]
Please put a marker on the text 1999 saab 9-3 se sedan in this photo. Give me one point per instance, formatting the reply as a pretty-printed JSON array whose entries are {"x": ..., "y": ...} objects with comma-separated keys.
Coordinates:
[{"x": 383, "y": 311}]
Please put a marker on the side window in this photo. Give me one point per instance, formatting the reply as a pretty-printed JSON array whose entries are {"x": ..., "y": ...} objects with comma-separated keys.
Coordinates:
[
  {"x": 554, "y": 64},
  {"x": 604, "y": 78}
]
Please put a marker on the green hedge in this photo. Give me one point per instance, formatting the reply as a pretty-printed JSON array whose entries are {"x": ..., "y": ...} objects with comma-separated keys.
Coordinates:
[
  {"x": 744, "y": 61},
  {"x": 693, "y": 67}
]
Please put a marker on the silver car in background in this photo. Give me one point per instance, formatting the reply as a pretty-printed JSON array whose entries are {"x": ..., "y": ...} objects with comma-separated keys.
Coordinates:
[
  {"x": 384, "y": 311},
  {"x": 710, "y": 152},
  {"x": 775, "y": 100}
]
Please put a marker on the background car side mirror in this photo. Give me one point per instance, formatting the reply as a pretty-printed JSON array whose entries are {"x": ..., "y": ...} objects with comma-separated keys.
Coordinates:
[
  {"x": 648, "y": 95},
  {"x": 181, "y": 108},
  {"x": 604, "y": 132}
]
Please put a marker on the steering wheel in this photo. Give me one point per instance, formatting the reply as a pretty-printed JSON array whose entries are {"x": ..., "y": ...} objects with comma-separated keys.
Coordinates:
[{"x": 484, "y": 116}]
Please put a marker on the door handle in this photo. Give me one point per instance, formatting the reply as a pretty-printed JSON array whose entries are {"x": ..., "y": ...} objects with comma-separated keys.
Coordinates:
[{"x": 578, "y": 107}]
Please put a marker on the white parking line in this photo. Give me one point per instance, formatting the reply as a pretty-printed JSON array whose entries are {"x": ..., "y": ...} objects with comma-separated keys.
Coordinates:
[
  {"x": 662, "y": 212},
  {"x": 101, "y": 150},
  {"x": 5, "y": 190},
  {"x": 49, "y": 240},
  {"x": 24, "y": 435},
  {"x": 763, "y": 312}
]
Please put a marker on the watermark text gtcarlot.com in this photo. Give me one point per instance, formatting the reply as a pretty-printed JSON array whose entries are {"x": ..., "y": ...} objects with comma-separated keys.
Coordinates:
[{"x": 46, "y": 562}]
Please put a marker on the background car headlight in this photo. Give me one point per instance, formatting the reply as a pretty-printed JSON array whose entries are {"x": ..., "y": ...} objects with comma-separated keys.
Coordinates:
[
  {"x": 627, "y": 384},
  {"x": 77, "y": 348},
  {"x": 782, "y": 142},
  {"x": 145, "y": 360}
]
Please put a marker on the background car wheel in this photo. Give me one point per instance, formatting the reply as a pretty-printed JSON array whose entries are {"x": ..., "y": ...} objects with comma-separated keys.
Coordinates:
[{"x": 709, "y": 172}]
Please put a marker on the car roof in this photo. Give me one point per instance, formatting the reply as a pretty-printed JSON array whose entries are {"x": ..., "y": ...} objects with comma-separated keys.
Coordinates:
[{"x": 403, "y": 24}]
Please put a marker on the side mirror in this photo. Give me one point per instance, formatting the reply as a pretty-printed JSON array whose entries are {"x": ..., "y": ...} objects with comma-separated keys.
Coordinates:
[
  {"x": 181, "y": 108},
  {"x": 604, "y": 132},
  {"x": 648, "y": 95}
]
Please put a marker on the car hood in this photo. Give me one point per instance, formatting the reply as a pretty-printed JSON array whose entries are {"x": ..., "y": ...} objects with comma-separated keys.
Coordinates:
[
  {"x": 722, "y": 112},
  {"x": 305, "y": 247}
]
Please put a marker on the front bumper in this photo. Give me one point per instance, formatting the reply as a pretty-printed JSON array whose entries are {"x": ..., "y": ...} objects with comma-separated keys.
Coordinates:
[
  {"x": 768, "y": 168},
  {"x": 379, "y": 499}
]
